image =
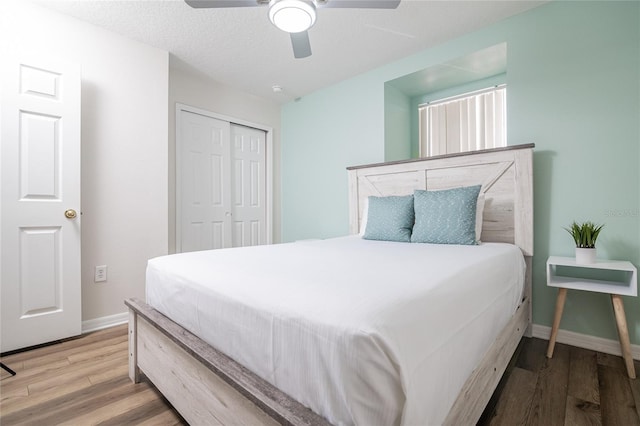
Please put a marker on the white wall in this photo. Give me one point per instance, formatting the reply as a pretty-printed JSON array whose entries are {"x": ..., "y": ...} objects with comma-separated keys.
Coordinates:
[
  {"x": 124, "y": 146},
  {"x": 197, "y": 90}
]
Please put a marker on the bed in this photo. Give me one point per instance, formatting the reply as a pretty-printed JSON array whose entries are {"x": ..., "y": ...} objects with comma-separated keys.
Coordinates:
[{"x": 236, "y": 367}]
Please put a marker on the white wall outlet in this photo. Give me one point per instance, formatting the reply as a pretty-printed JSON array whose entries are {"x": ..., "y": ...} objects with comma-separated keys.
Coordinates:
[{"x": 101, "y": 273}]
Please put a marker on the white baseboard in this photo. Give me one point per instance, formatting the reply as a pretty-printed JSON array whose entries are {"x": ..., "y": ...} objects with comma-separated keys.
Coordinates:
[
  {"x": 584, "y": 341},
  {"x": 104, "y": 322}
]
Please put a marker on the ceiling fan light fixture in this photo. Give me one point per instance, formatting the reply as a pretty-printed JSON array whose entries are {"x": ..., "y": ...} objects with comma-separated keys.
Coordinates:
[{"x": 292, "y": 16}]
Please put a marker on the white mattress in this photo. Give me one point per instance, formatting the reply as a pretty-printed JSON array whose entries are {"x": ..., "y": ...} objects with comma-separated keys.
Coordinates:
[{"x": 362, "y": 332}]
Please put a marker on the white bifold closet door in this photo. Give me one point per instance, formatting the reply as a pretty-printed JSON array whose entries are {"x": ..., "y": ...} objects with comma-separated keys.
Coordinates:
[{"x": 221, "y": 184}]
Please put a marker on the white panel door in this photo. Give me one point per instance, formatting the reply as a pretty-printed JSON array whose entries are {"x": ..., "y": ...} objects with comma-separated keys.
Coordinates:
[
  {"x": 40, "y": 288},
  {"x": 205, "y": 183},
  {"x": 249, "y": 186}
]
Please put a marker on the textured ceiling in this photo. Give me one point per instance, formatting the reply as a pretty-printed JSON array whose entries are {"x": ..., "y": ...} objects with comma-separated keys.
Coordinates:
[{"x": 241, "y": 48}]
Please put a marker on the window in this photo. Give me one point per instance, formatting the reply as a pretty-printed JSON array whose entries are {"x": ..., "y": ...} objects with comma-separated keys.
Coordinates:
[{"x": 468, "y": 122}]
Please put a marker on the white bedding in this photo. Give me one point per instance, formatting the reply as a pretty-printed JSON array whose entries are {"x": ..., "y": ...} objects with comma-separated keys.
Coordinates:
[{"x": 362, "y": 332}]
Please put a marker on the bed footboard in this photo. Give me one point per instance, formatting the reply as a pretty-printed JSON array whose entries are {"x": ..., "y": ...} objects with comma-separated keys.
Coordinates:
[
  {"x": 204, "y": 385},
  {"x": 134, "y": 371},
  {"x": 207, "y": 387}
]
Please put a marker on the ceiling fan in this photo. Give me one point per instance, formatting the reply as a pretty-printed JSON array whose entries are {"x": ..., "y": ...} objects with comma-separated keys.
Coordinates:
[{"x": 296, "y": 16}]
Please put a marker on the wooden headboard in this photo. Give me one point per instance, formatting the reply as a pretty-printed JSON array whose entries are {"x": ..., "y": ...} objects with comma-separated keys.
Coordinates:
[{"x": 506, "y": 175}]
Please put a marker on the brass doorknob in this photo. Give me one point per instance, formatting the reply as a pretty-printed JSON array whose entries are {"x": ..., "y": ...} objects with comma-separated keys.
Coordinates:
[{"x": 70, "y": 214}]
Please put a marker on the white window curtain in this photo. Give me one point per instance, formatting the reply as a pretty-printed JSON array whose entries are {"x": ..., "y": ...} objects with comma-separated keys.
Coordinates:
[{"x": 467, "y": 123}]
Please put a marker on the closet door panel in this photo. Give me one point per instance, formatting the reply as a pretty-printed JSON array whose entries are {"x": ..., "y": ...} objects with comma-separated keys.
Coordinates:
[
  {"x": 205, "y": 182},
  {"x": 249, "y": 203}
]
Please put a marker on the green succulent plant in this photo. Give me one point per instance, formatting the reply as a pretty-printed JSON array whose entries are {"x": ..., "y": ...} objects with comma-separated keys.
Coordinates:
[{"x": 584, "y": 234}]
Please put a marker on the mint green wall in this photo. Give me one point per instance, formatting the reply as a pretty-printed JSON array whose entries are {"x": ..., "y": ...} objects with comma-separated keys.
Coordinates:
[
  {"x": 322, "y": 134},
  {"x": 397, "y": 124},
  {"x": 574, "y": 90}
]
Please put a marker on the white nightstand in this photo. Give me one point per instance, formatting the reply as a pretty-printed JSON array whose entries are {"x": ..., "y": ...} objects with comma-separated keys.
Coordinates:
[{"x": 627, "y": 287}]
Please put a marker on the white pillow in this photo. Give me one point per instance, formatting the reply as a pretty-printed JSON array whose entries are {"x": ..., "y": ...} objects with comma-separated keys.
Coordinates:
[
  {"x": 365, "y": 214},
  {"x": 479, "y": 211}
]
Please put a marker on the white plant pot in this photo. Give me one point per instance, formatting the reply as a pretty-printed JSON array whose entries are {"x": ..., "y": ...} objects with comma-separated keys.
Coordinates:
[{"x": 585, "y": 256}]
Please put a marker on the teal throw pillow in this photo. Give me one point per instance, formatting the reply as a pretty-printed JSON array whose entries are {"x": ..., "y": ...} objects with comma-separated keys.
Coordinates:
[
  {"x": 390, "y": 218},
  {"x": 446, "y": 217}
]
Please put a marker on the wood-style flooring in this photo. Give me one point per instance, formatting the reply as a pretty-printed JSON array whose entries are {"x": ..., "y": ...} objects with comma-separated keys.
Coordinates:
[
  {"x": 85, "y": 381},
  {"x": 576, "y": 387}
]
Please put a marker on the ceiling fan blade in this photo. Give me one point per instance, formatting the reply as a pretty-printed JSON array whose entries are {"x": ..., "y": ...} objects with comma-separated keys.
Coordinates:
[
  {"x": 359, "y": 4},
  {"x": 200, "y": 4},
  {"x": 301, "y": 45}
]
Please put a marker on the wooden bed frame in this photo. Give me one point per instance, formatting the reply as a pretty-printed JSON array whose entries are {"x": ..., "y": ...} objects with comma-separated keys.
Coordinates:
[{"x": 207, "y": 387}]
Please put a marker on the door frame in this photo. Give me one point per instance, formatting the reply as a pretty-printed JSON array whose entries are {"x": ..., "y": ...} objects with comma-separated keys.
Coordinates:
[{"x": 268, "y": 166}]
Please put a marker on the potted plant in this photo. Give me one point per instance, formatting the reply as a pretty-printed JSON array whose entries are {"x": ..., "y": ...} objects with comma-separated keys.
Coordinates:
[{"x": 585, "y": 235}]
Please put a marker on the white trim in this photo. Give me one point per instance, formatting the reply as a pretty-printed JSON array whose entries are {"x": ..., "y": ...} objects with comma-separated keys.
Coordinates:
[
  {"x": 268, "y": 165},
  {"x": 463, "y": 95},
  {"x": 585, "y": 341},
  {"x": 104, "y": 322}
]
